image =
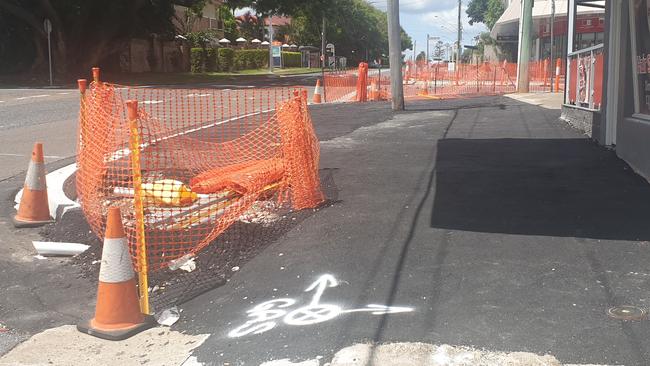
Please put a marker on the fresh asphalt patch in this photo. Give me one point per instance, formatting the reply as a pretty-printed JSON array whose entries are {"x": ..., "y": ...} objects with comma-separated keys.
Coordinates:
[
  {"x": 384, "y": 262},
  {"x": 389, "y": 245},
  {"x": 42, "y": 293}
]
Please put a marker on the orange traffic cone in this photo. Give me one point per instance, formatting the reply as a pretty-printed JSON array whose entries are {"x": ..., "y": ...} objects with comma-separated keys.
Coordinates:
[
  {"x": 317, "y": 96},
  {"x": 374, "y": 91},
  {"x": 117, "y": 313},
  {"x": 34, "y": 209}
]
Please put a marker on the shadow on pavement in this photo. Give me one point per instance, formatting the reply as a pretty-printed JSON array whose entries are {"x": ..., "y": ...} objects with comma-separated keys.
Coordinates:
[{"x": 554, "y": 187}]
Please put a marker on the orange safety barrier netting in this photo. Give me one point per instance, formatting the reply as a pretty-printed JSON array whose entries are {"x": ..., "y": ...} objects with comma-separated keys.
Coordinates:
[
  {"x": 442, "y": 80},
  {"x": 185, "y": 164},
  {"x": 340, "y": 86}
]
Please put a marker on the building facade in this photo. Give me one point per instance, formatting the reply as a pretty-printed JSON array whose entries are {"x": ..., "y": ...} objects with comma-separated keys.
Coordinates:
[
  {"x": 625, "y": 115},
  {"x": 590, "y": 28}
]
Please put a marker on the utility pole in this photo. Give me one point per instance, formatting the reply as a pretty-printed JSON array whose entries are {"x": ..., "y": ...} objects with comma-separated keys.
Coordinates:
[
  {"x": 271, "y": 43},
  {"x": 395, "y": 55},
  {"x": 552, "y": 61},
  {"x": 460, "y": 33},
  {"x": 415, "y": 46},
  {"x": 427, "y": 58},
  {"x": 526, "y": 25}
]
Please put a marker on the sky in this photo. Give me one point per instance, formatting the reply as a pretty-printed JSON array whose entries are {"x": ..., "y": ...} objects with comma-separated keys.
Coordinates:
[{"x": 438, "y": 18}]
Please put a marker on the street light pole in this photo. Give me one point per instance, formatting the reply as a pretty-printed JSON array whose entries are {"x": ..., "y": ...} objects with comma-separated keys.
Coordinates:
[{"x": 395, "y": 55}]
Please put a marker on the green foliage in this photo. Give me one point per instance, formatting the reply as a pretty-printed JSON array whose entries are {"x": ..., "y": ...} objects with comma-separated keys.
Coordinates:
[
  {"x": 198, "y": 39},
  {"x": 226, "y": 59},
  {"x": 250, "y": 26},
  {"x": 421, "y": 56},
  {"x": 197, "y": 59},
  {"x": 211, "y": 59},
  {"x": 485, "y": 11},
  {"x": 495, "y": 9},
  {"x": 476, "y": 11},
  {"x": 85, "y": 32},
  {"x": 251, "y": 59},
  {"x": 352, "y": 25},
  {"x": 291, "y": 59},
  {"x": 229, "y": 23}
]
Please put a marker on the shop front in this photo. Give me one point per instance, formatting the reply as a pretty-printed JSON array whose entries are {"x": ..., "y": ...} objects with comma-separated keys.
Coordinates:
[
  {"x": 607, "y": 91},
  {"x": 633, "y": 122}
]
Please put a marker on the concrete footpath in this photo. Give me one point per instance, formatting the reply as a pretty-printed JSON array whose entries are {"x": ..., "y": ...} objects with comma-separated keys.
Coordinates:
[{"x": 477, "y": 231}]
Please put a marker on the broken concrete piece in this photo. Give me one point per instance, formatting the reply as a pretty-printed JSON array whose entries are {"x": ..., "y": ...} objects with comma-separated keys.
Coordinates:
[{"x": 48, "y": 248}]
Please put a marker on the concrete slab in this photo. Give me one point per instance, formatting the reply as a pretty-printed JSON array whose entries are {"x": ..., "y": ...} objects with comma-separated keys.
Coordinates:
[{"x": 65, "y": 345}]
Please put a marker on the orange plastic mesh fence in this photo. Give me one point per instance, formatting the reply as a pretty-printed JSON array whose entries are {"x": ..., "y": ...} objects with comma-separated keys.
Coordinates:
[
  {"x": 341, "y": 86},
  {"x": 199, "y": 159}
]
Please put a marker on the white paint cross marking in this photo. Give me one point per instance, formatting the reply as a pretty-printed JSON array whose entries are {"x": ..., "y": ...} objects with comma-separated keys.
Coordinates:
[{"x": 264, "y": 316}]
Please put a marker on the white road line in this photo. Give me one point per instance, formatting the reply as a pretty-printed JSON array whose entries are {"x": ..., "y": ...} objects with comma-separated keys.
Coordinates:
[
  {"x": 64, "y": 93},
  {"x": 126, "y": 152},
  {"x": 33, "y": 96},
  {"x": 23, "y": 155}
]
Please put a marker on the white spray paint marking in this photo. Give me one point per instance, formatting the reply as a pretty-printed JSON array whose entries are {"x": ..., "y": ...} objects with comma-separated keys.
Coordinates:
[
  {"x": 152, "y": 102},
  {"x": 64, "y": 93},
  {"x": 266, "y": 315},
  {"x": 199, "y": 95},
  {"x": 33, "y": 96}
]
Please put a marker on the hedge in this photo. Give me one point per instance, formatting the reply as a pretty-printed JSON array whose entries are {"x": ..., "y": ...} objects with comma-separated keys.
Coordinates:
[
  {"x": 251, "y": 59},
  {"x": 225, "y": 59},
  {"x": 211, "y": 59},
  {"x": 291, "y": 59},
  {"x": 228, "y": 59},
  {"x": 197, "y": 58}
]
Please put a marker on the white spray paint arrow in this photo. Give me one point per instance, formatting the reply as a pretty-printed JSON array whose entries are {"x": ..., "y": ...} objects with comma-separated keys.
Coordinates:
[
  {"x": 322, "y": 283},
  {"x": 375, "y": 309}
]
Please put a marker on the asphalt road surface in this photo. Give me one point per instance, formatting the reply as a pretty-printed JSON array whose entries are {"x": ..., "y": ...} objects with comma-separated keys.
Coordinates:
[{"x": 50, "y": 116}]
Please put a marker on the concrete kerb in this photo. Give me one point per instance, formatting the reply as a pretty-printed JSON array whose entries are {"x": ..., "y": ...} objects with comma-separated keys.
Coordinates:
[
  {"x": 59, "y": 203},
  {"x": 60, "y": 171}
]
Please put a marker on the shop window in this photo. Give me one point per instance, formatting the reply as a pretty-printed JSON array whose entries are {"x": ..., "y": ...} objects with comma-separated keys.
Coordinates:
[{"x": 640, "y": 36}]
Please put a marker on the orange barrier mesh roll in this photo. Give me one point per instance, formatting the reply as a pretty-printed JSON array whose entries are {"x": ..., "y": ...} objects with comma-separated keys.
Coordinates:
[{"x": 188, "y": 163}]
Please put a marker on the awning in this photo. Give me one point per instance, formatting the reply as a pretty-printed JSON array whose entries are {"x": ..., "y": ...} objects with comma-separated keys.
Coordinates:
[{"x": 508, "y": 23}]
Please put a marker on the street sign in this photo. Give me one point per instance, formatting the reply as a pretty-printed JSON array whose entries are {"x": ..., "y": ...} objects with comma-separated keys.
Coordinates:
[
  {"x": 276, "y": 52},
  {"x": 47, "y": 26}
]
